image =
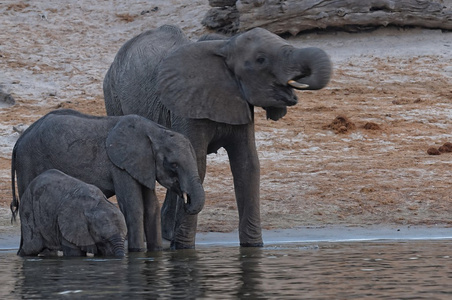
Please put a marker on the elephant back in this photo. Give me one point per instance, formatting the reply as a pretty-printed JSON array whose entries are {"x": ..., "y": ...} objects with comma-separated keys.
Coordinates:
[{"x": 129, "y": 85}]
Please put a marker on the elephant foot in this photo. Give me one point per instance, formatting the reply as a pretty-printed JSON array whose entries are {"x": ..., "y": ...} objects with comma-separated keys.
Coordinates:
[
  {"x": 137, "y": 250},
  {"x": 167, "y": 233},
  {"x": 251, "y": 244},
  {"x": 155, "y": 249},
  {"x": 179, "y": 246}
]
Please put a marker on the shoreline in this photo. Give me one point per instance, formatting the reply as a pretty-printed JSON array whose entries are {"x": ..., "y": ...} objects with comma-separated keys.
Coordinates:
[{"x": 312, "y": 234}]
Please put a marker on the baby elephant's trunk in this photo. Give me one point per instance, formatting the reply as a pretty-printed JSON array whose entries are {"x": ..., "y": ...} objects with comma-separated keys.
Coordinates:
[
  {"x": 119, "y": 250},
  {"x": 117, "y": 246}
]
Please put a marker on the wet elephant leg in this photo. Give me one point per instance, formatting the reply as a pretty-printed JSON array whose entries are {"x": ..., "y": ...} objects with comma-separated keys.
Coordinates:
[
  {"x": 70, "y": 249},
  {"x": 245, "y": 169},
  {"x": 31, "y": 243},
  {"x": 152, "y": 225},
  {"x": 168, "y": 221},
  {"x": 129, "y": 197}
]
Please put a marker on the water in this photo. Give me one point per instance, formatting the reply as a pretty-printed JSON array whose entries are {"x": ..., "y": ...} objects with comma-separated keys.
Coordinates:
[{"x": 416, "y": 269}]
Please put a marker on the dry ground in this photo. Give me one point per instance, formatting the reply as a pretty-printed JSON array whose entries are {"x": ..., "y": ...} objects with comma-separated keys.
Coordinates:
[{"x": 392, "y": 86}]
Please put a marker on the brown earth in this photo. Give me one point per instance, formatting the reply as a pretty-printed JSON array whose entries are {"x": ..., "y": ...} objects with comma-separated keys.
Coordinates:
[{"x": 354, "y": 153}]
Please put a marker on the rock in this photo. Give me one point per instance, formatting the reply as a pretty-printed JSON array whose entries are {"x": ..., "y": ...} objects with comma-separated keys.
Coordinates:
[
  {"x": 341, "y": 124},
  {"x": 20, "y": 128},
  {"x": 6, "y": 100},
  {"x": 372, "y": 126},
  {"x": 221, "y": 3},
  {"x": 447, "y": 147},
  {"x": 433, "y": 151}
]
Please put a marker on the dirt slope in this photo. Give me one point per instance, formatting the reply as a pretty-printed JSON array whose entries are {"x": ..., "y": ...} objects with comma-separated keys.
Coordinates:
[{"x": 391, "y": 89}]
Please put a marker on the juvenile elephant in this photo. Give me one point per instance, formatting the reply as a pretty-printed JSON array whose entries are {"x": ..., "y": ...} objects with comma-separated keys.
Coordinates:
[
  {"x": 206, "y": 90},
  {"x": 122, "y": 156},
  {"x": 59, "y": 212}
]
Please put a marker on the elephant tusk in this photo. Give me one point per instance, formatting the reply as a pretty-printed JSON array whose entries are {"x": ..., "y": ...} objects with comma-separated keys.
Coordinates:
[
  {"x": 185, "y": 196},
  {"x": 297, "y": 85}
]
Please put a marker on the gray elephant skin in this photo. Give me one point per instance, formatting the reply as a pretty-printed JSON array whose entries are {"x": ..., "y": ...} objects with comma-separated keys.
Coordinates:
[
  {"x": 122, "y": 156},
  {"x": 59, "y": 212},
  {"x": 207, "y": 91}
]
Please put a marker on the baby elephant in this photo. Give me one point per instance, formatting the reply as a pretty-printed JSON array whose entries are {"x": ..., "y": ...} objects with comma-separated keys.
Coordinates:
[{"x": 59, "y": 212}]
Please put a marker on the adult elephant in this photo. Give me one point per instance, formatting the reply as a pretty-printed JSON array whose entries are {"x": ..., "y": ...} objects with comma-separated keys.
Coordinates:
[{"x": 207, "y": 90}]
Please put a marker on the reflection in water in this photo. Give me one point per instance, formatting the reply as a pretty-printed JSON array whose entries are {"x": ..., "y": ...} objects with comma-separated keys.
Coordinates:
[{"x": 415, "y": 269}]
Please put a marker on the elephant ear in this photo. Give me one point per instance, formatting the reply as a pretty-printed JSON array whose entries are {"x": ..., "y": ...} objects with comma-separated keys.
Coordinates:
[
  {"x": 194, "y": 82},
  {"x": 130, "y": 149},
  {"x": 72, "y": 221}
]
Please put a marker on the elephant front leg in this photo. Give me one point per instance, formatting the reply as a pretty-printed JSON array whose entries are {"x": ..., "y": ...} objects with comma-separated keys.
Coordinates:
[
  {"x": 130, "y": 200},
  {"x": 152, "y": 226},
  {"x": 245, "y": 169},
  {"x": 70, "y": 249}
]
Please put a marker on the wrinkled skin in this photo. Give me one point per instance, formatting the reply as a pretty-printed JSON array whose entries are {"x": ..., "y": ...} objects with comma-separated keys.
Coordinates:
[
  {"x": 59, "y": 212},
  {"x": 122, "y": 156},
  {"x": 206, "y": 90}
]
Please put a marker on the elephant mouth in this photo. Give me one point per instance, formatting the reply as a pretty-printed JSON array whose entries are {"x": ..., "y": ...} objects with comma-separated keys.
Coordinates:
[{"x": 286, "y": 95}]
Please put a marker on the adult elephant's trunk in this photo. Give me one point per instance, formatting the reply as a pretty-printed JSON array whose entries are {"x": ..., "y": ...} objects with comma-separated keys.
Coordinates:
[{"x": 313, "y": 68}]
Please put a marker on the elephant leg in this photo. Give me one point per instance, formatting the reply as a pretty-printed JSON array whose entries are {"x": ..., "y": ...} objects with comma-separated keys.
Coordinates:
[
  {"x": 178, "y": 226},
  {"x": 70, "y": 249},
  {"x": 31, "y": 243},
  {"x": 129, "y": 196},
  {"x": 245, "y": 169},
  {"x": 169, "y": 209},
  {"x": 152, "y": 226}
]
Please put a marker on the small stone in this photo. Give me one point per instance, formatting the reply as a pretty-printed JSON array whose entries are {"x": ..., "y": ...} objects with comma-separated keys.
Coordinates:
[
  {"x": 433, "y": 151},
  {"x": 447, "y": 147},
  {"x": 372, "y": 126},
  {"x": 341, "y": 124},
  {"x": 6, "y": 99}
]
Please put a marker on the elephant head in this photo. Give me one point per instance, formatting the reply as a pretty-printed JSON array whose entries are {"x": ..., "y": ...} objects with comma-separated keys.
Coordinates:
[
  {"x": 150, "y": 152},
  {"x": 220, "y": 79},
  {"x": 92, "y": 223}
]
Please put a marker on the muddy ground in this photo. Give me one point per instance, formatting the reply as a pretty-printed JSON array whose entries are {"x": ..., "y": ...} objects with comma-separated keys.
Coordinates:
[{"x": 355, "y": 153}]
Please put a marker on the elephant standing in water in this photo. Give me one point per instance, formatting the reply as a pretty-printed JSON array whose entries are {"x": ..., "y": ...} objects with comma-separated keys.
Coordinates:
[
  {"x": 59, "y": 212},
  {"x": 206, "y": 90},
  {"x": 122, "y": 156}
]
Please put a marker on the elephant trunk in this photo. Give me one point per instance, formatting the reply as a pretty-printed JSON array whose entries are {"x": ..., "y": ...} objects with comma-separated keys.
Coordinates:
[
  {"x": 310, "y": 68},
  {"x": 115, "y": 246},
  {"x": 118, "y": 250},
  {"x": 194, "y": 196}
]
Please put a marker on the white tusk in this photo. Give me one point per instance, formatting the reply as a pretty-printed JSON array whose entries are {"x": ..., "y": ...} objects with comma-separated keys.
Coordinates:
[
  {"x": 297, "y": 85},
  {"x": 185, "y": 198}
]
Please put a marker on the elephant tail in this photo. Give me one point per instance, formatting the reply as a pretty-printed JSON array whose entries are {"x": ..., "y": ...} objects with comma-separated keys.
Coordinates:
[{"x": 14, "y": 206}]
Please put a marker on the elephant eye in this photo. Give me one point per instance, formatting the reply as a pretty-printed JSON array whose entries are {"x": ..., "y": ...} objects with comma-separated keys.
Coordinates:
[
  {"x": 170, "y": 165},
  {"x": 260, "y": 60}
]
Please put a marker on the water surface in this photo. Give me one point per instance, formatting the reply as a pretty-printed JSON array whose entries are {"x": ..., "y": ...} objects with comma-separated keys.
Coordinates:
[{"x": 415, "y": 269}]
